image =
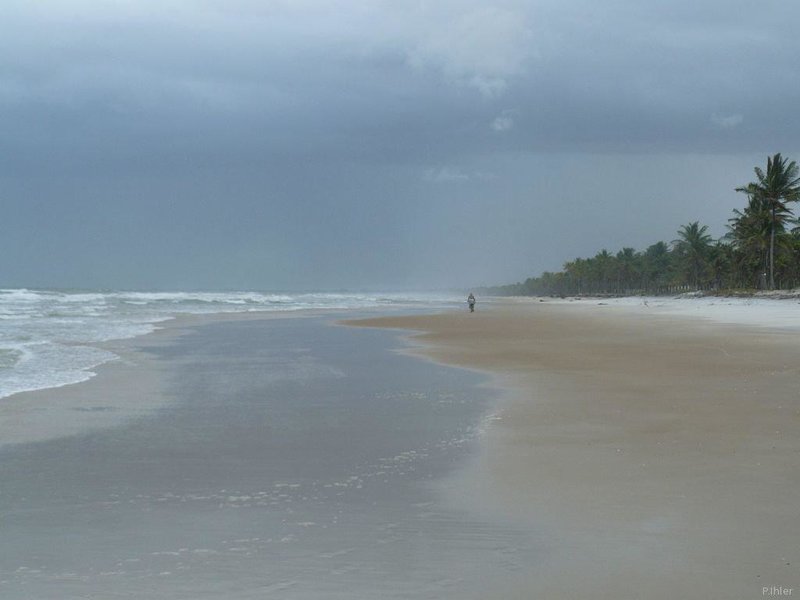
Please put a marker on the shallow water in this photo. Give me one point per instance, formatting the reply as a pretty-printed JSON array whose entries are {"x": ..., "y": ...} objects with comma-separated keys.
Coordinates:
[
  {"x": 48, "y": 338},
  {"x": 294, "y": 460}
]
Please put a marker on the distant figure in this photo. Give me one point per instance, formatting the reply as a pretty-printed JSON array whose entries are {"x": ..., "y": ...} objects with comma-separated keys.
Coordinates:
[{"x": 471, "y": 302}]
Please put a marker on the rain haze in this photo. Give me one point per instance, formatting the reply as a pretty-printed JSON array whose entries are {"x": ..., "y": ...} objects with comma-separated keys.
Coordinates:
[{"x": 330, "y": 145}]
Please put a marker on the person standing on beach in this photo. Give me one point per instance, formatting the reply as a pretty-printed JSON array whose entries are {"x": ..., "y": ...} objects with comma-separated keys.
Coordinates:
[{"x": 471, "y": 302}]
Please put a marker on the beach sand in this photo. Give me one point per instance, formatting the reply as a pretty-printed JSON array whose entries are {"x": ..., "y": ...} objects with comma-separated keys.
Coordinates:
[{"x": 654, "y": 456}]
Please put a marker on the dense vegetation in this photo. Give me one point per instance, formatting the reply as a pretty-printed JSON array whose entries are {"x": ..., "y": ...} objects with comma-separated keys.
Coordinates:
[{"x": 761, "y": 250}]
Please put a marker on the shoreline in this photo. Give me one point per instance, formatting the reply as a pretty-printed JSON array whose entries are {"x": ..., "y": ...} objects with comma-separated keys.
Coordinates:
[
  {"x": 55, "y": 338},
  {"x": 291, "y": 457},
  {"x": 680, "y": 306},
  {"x": 50, "y": 413},
  {"x": 628, "y": 447},
  {"x": 650, "y": 451}
]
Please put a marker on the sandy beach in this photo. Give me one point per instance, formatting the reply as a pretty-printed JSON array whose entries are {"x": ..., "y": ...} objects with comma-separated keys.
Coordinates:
[
  {"x": 538, "y": 450},
  {"x": 655, "y": 456}
]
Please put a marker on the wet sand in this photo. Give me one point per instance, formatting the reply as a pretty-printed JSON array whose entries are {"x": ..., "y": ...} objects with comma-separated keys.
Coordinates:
[
  {"x": 250, "y": 458},
  {"x": 653, "y": 456}
]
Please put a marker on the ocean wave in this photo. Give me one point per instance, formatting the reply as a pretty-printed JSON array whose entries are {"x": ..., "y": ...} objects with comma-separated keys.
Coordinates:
[
  {"x": 9, "y": 357},
  {"x": 47, "y": 336}
]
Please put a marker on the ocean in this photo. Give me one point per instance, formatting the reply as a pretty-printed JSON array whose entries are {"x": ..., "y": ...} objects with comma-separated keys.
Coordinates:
[{"x": 48, "y": 338}]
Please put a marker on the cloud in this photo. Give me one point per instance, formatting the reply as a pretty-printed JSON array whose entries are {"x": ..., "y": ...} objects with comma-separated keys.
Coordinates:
[
  {"x": 482, "y": 47},
  {"x": 455, "y": 175},
  {"x": 503, "y": 122},
  {"x": 383, "y": 81},
  {"x": 726, "y": 121},
  {"x": 445, "y": 175}
]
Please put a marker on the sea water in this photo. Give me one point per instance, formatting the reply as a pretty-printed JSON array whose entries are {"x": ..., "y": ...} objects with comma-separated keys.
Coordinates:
[
  {"x": 48, "y": 337},
  {"x": 296, "y": 459}
]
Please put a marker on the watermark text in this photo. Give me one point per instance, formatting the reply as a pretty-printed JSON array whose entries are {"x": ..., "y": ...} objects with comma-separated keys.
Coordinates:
[{"x": 776, "y": 590}]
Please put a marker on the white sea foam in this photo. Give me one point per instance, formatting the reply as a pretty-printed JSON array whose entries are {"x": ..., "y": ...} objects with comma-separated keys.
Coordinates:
[{"x": 47, "y": 337}]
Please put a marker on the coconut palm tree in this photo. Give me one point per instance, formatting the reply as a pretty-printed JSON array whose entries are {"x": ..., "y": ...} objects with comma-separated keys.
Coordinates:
[
  {"x": 627, "y": 263},
  {"x": 693, "y": 246},
  {"x": 604, "y": 265},
  {"x": 656, "y": 265},
  {"x": 720, "y": 263},
  {"x": 779, "y": 185},
  {"x": 750, "y": 231},
  {"x": 576, "y": 271}
]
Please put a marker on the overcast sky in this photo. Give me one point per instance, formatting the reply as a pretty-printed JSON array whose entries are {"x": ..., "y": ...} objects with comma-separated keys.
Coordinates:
[{"x": 298, "y": 144}]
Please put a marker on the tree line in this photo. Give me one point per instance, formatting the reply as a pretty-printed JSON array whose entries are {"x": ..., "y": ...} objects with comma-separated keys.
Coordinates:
[{"x": 761, "y": 250}]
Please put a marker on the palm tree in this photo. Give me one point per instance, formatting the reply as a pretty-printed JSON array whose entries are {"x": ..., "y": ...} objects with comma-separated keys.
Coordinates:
[
  {"x": 627, "y": 268},
  {"x": 720, "y": 263},
  {"x": 656, "y": 265},
  {"x": 750, "y": 231},
  {"x": 779, "y": 185},
  {"x": 576, "y": 273},
  {"x": 603, "y": 263},
  {"x": 693, "y": 245}
]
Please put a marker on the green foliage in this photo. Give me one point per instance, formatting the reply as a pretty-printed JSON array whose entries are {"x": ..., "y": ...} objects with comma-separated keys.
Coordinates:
[
  {"x": 761, "y": 248},
  {"x": 693, "y": 251},
  {"x": 769, "y": 195}
]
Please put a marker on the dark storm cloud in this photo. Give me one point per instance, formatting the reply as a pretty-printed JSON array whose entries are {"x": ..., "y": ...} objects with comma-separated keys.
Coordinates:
[
  {"x": 303, "y": 72},
  {"x": 299, "y": 143}
]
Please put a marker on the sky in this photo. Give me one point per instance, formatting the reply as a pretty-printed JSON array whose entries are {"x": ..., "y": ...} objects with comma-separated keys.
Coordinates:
[{"x": 355, "y": 144}]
